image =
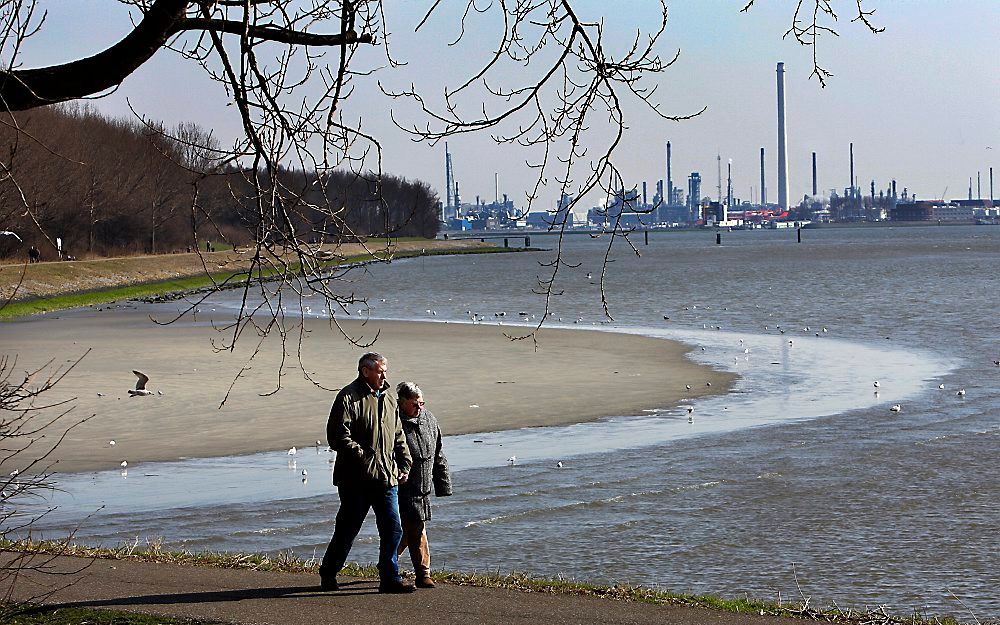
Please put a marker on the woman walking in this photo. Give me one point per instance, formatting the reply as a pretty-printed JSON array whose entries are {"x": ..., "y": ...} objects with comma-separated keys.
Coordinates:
[{"x": 430, "y": 470}]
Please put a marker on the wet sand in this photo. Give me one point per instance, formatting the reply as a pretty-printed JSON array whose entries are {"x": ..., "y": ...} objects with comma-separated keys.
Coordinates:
[{"x": 474, "y": 380}]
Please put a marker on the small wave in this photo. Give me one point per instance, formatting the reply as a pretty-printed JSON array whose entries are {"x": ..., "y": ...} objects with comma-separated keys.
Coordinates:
[
  {"x": 265, "y": 531},
  {"x": 488, "y": 521},
  {"x": 711, "y": 484},
  {"x": 569, "y": 506}
]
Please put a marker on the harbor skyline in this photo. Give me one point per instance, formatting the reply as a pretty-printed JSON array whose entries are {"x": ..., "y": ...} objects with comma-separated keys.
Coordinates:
[{"x": 917, "y": 100}]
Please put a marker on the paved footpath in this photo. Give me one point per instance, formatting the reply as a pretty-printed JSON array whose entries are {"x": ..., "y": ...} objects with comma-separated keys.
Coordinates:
[{"x": 256, "y": 597}]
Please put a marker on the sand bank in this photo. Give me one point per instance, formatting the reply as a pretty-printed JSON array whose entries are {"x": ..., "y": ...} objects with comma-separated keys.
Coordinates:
[{"x": 474, "y": 380}]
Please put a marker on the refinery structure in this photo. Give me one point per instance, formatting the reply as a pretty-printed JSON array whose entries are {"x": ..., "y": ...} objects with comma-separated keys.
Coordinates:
[{"x": 668, "y": 206}]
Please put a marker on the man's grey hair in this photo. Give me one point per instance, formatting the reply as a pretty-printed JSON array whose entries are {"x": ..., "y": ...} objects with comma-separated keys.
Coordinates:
[
  {"x": 370, "y": 359},
  {"x": 408, "y": 390}
]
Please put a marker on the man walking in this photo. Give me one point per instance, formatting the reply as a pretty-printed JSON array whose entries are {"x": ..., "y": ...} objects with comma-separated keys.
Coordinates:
[{"x": 372, "y": 458}]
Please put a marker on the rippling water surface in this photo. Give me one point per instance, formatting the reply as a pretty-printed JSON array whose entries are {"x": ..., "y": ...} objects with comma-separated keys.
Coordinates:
[{"x": 800, "y": 482}]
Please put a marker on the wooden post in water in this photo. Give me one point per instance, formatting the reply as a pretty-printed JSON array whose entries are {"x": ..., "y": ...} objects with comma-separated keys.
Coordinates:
[
  {"x": 527, "y": 241},
  {"x": 799, "y": 232},
  {"x": 718, "y": 238},
  {"x": 505, "y": 242},
  {"x": 646, "y": 234}
]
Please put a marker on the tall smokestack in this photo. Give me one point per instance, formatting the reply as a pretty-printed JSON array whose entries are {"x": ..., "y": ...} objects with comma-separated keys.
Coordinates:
[
  {"x": 670, "y": 180},
  {"x": 718, "y": 158},
  {"x": 782, "y": 139},
  {"x": 448, "y": 174},
  {"x": 496, "y": 187},
  {"x": 852, "y": 169},
  {"x": 814, "y": 175},
  {"x": 729, "y": 189},
  {"x": 763, "y": 188},
  {"x": 644, "y": 202}
]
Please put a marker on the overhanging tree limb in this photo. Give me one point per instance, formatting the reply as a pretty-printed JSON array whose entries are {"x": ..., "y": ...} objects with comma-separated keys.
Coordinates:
[{"x": 30, "y": 88}]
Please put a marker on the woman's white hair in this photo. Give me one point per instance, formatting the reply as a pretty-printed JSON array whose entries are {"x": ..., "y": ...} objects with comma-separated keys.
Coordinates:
[{"x": 408, "y": 390}]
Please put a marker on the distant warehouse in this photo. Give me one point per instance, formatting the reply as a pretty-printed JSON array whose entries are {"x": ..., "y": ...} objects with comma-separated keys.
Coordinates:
[{"x": 930, "y": 210}]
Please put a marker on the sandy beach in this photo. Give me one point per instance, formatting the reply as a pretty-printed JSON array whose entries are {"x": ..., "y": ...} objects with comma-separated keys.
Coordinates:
[{"x": 474, "y": 380}]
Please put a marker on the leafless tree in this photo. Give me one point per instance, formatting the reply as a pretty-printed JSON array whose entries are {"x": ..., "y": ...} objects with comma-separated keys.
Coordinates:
[{"x": 26, "y": 418}]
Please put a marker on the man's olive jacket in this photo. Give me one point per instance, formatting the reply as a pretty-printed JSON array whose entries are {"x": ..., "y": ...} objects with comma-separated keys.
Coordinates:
[{"x": 367, "y": 435}]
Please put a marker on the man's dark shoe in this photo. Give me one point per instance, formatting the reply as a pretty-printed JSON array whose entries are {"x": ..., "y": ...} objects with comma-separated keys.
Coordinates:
[
  {"x": 395, "y": 587},
  {"x": 328, "y": 581},
  {"x": 425, "y": 582}
]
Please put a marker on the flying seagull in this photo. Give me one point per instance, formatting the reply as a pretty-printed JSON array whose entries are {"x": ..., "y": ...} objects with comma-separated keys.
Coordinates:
[{"x": 140, "y": 385}]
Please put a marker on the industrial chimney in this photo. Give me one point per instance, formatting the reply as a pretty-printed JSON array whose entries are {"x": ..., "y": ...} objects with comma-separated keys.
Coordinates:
[
  {"x": 449, "y": 176},
  {"x": 782, "y": 139},
  {"x": 763, "y": 187},
  {"x": 852, "y": 171},
  {"x": 670, "y": 181},
  {"x": 814, "y": 174}
]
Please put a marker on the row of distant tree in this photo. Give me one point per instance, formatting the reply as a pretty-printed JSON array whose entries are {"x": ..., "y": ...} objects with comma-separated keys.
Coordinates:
[{"x": 106, "y": 187}]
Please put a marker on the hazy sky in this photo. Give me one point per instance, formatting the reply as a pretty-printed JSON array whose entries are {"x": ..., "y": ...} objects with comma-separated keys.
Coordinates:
[{"x": 920, "y": 101}]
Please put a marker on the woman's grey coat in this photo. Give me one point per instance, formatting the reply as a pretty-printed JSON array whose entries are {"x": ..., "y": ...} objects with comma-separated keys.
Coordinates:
[{"x": 430, "y": 467}]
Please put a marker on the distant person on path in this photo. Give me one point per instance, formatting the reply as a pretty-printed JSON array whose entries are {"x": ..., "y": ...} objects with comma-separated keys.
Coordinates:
[
  {"x": 372, "y": 459},
  {"x": 430, "y": 469},
  {"x": 34, "y": 255}
]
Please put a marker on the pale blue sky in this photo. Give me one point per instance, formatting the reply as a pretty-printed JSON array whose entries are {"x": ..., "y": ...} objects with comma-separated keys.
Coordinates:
[{"x": 921, "y": 101}]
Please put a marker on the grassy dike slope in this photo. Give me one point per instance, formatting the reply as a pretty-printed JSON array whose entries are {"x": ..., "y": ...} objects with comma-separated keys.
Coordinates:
[
  {"x": 278, "y": 590},
  {"x": 43, "y": 287}
]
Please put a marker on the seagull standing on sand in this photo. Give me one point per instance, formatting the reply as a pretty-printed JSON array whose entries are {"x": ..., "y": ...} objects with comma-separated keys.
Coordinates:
[
  {"x": 140, "y": 385},
  {"x": 875, "y": 384},
  {"x": 512, "y": 460}
]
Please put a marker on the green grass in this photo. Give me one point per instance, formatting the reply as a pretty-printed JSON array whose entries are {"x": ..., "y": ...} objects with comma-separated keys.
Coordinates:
[
  {"x": 284, "y": 562},
  {"x": 80, "y": 616},
  {"x": 183, "y": 285}
]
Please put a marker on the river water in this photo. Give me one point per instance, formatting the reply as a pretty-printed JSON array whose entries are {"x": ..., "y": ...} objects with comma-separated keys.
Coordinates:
[{"x": 801, "y": 482}]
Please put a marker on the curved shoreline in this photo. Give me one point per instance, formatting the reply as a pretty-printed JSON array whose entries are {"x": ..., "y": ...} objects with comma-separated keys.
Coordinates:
[{"x": 475, "y": 380}]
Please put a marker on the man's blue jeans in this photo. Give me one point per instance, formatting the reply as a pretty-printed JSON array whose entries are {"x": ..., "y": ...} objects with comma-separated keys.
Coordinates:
[{"x": 354, "y": 505}]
